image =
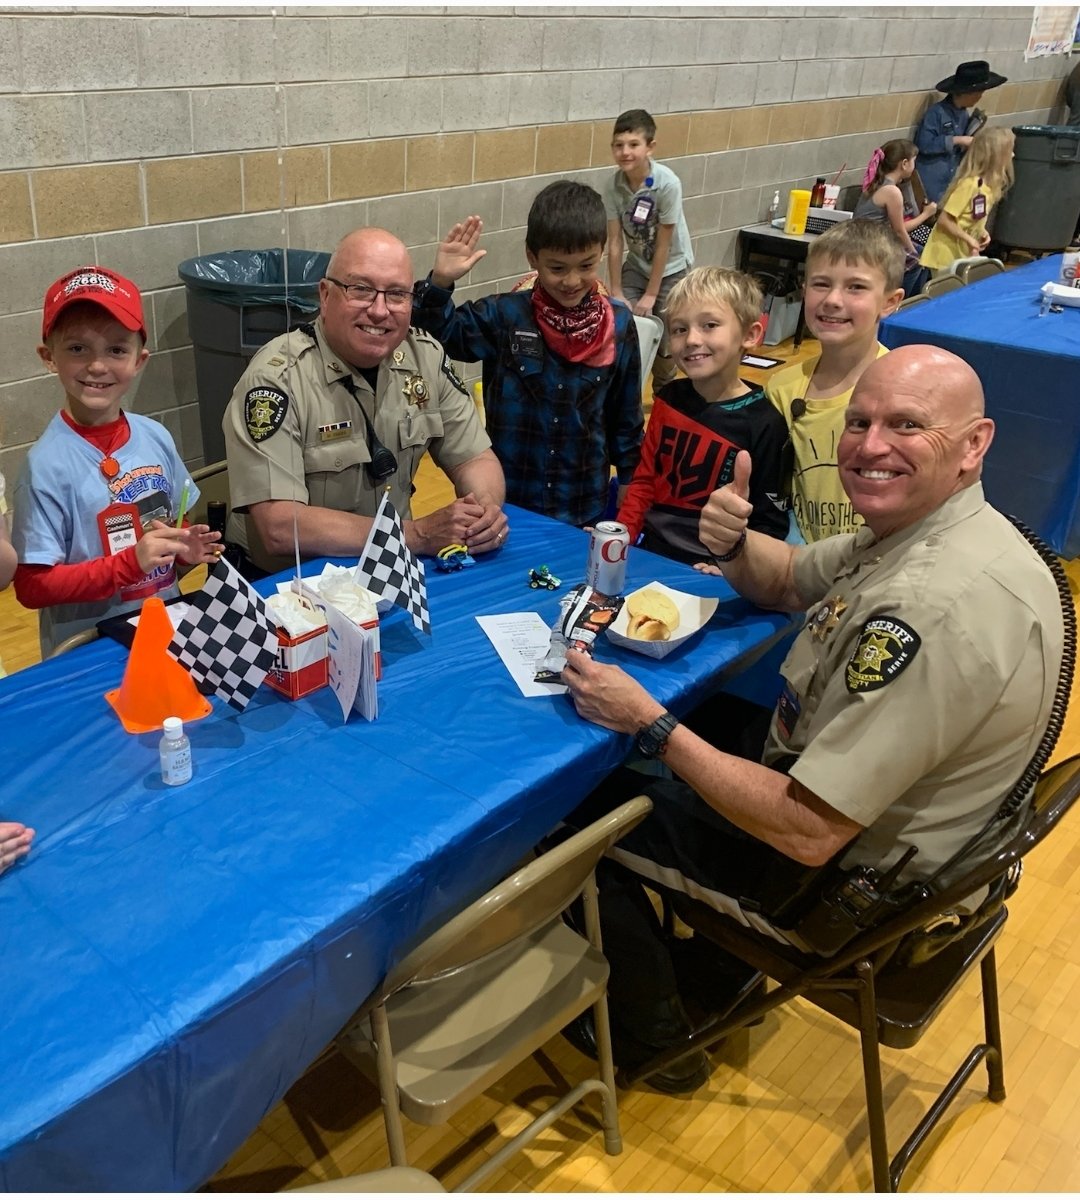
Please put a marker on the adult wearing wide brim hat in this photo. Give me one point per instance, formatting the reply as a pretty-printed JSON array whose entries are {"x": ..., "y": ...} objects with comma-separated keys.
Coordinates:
[{"x": 942, "y": 135}]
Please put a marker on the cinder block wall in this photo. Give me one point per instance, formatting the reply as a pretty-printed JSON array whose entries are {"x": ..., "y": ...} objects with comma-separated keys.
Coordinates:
[{"x": 138, "y": 137}]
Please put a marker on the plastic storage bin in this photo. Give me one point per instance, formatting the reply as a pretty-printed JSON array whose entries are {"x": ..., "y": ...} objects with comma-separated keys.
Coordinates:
[
  {"x": 236, "y": 302},
  {"x": 1039, "y": 211}
]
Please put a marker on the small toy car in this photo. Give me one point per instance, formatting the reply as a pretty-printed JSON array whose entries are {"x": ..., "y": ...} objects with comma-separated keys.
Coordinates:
[
  {"x": 543, "y": 578},
  {"x": 454, "y": 557}
]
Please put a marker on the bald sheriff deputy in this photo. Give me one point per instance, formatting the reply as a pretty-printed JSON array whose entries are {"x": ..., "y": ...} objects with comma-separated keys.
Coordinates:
[
  {"x": 330, "y": 414},
  {"x": 916, "y": 693}
]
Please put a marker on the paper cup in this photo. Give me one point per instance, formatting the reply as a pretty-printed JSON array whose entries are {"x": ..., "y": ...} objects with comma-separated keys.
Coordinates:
[{"x": 832, "y": 194}]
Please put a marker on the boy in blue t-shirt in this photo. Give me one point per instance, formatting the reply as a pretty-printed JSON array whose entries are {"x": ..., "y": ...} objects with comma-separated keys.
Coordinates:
[
  {"x": 643, "y": 202},
  {"x": 98, "y": 503}
]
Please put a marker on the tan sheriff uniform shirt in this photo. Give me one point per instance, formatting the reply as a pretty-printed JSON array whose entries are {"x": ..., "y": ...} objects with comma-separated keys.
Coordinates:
[
  {"x": 294, "y": 431},
  {"x": 922, "y": 681}
]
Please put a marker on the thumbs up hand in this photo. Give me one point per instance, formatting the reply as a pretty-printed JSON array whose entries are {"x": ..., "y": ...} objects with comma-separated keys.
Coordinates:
[{"x": 727, "y": 511}]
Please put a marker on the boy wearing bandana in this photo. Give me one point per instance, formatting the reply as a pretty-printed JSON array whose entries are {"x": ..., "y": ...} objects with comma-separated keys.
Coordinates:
[
  {"x": 562, "y": 371},
  {"x": 98, "y": 503}
]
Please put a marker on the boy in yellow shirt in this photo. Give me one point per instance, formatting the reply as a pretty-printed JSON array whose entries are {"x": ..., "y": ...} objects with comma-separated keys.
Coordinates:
[{"x": 854, "y": 277}]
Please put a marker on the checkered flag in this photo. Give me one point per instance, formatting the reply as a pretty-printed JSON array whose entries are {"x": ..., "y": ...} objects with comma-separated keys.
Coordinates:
[
  {"x": 228, "y": 638},
  {"x": 389, "y": 568}
]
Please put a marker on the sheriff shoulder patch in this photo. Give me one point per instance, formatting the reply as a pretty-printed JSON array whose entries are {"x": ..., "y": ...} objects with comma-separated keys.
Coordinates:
[
  {"x": 452, "y": 375},
  {"x": 264, "y": 410},
  {"x": 886, "y": 646}
]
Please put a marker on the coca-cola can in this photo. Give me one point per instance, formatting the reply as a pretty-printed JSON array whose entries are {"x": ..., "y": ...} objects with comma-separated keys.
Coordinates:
[{"x": 606, "y": 568}]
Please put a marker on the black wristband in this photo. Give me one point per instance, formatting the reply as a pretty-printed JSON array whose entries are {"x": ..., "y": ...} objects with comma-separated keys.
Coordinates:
[{"x": 734, "y": 552}]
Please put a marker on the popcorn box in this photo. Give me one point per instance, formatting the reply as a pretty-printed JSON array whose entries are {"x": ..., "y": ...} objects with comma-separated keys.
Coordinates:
[
  {"x": 302, "y": 663},
  {"x": 312, "y": 593}
]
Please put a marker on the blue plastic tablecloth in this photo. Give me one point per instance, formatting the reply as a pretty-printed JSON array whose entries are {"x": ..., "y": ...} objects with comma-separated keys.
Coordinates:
[
  {"x": 1030, "y": 370},
  {"x": 171, "y": 959}
]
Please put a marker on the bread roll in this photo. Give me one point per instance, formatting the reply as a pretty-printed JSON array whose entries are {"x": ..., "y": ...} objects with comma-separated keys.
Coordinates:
[
  {"x": 648, "y": 629},
  {"x": 653, "y": 616}
]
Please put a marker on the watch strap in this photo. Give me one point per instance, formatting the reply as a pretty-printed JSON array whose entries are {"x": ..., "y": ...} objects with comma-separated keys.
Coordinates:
[{"x": 652, "y": 739}]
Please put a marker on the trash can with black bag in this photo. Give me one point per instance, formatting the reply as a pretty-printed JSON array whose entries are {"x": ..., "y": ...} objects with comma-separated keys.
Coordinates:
[
  {"x": 236, "y": 302},
  {"x": 1039, "y": 212}
]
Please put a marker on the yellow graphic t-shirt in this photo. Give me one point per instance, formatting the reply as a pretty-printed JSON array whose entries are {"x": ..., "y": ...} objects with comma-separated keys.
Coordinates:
[{"x": 820, "y": 503}]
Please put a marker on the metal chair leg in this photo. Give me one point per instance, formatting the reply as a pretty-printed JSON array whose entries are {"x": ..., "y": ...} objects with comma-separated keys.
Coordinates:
[
  {"x": 871, "y": 1059},
  {"x": 995, "y": 1058},
  {"x": 388, "y": 1093}
]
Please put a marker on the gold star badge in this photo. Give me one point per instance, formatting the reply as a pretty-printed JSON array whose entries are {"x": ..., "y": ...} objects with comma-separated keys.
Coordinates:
[
  {"x": 415, "y": 390},
  {"x": 827, "y": 617}
]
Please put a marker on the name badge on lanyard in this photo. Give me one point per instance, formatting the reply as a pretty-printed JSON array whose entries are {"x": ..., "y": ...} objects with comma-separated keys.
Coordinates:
[
  {"x": 643, "y": 207},
  {"x": 120, "y": 526},
  {"x": 978, "y": 205}
]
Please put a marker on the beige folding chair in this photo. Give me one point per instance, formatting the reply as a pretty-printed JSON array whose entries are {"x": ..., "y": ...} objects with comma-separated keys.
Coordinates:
[
  {"x": 649, "y": 330},
  {"x": 918, "y": 298},
  {"x": 76, "y": 639},
  {"x": 941, "y": 285},
  {"x": 490, "y": 988},
  {"x": 975, "y": 269}
]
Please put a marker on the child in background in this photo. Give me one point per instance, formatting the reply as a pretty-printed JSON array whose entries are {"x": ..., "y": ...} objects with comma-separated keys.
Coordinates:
[
  {"x": 946, "y": 130},
  {"x": 700, "y": 423},
  {"x": 643, "y": 202},
  {"x": 887, "y": 196},
  {"x": 15, "y": 838},
  {"x": 562, "y": 370},
  {"x": 97, "y": 503},
  {"x": 853, "y": 278},
  {"x": 985, "y": 174}
]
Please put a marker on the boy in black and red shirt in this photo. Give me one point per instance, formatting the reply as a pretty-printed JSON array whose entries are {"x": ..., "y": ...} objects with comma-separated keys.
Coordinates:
[{"x": 700, "y": 423}]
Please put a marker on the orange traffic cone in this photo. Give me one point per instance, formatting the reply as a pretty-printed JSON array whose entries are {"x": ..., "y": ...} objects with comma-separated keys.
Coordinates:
[{"x": 155, "y": 686}]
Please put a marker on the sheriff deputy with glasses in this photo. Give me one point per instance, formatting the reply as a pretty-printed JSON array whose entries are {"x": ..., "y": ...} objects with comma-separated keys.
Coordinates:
[{"x": 333, "y": 412}]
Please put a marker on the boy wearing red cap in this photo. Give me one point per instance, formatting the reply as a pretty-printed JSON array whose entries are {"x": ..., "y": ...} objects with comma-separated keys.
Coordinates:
[{"x": 98, "y": 499}]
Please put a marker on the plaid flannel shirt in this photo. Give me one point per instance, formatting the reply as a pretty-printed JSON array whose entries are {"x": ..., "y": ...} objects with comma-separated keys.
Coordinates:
[{"x": 557, "y": 427}]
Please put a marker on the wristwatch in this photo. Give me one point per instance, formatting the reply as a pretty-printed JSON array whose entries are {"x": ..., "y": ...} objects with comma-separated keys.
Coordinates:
[{"x": 652, "y": 740}]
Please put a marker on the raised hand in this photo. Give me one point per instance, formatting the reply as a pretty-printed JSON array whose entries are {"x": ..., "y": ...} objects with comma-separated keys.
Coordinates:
[
  {"x": 457, "y": 253},
  {"x": 727, "y": 511}
]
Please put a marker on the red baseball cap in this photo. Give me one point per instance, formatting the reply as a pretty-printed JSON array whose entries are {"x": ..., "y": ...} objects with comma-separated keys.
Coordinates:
[{"x": 118, "y": 296}]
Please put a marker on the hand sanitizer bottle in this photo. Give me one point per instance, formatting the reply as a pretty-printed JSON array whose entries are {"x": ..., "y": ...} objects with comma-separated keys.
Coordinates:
[
  {"x": 774, "y": 207},
  {"x": 175, "y": 752}
]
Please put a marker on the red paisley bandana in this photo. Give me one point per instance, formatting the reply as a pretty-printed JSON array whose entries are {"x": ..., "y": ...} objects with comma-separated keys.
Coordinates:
[{"x": 582, "y": 334}]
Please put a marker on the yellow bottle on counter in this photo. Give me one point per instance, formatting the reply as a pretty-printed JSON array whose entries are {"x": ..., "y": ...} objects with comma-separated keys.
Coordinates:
[{"x": 798, "y": 205}]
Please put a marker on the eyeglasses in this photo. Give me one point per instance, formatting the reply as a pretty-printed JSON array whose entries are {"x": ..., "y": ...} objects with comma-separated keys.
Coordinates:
[{"x": 363, "y": 294}]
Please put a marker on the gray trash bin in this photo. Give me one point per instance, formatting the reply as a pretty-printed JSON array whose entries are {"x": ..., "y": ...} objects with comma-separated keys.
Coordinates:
[
  {"x": 1039, "y": 211},
  {"x": 236, "y": 302}
]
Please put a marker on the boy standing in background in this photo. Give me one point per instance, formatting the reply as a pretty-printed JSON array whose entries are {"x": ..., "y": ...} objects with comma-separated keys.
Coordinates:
[
  {"x": 643, "y": 202},
  {"x": 854, "y": 277}
]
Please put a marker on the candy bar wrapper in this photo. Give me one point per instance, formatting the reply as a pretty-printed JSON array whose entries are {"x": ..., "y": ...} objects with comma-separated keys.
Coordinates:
[{"x": 584, "y": 614}]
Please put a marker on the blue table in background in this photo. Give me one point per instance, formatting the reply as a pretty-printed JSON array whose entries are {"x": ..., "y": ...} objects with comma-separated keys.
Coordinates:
[
  {"x": 172, "y": 959},
  {"x": 1030, "y": 369}
]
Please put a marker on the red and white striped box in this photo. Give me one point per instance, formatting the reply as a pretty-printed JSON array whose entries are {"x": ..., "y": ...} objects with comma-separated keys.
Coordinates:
[{"x": 303, "y": 663}]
